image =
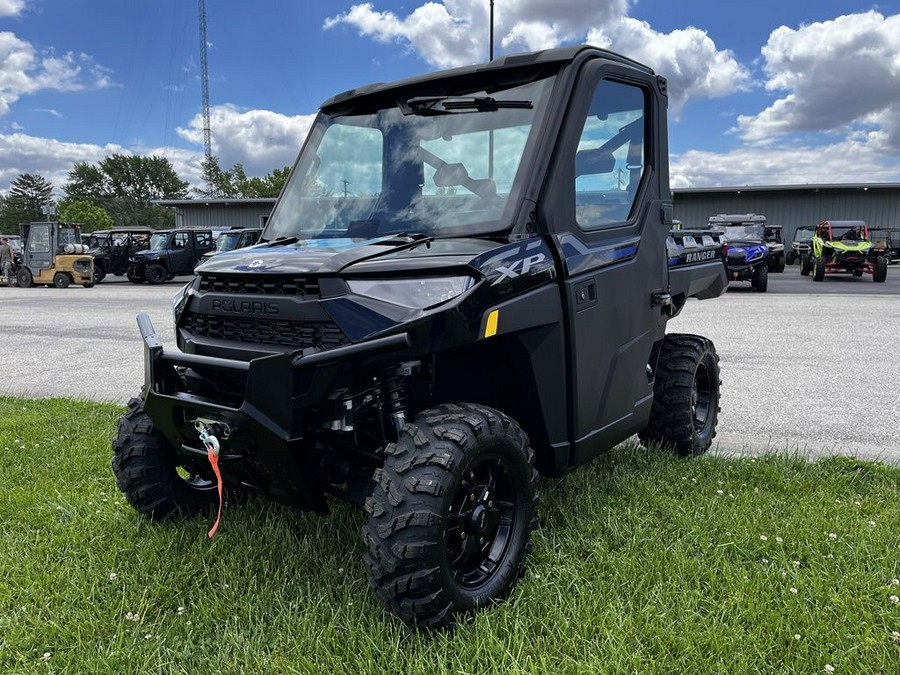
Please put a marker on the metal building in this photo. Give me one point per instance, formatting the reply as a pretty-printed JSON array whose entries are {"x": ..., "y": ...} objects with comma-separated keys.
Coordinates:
[
  {"x": 793, "y": 205},
  {"x": 220, "y": 213}
]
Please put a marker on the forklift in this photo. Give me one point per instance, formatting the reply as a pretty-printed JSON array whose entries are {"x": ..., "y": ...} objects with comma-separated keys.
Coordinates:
[{"x": 53, "y": 255}]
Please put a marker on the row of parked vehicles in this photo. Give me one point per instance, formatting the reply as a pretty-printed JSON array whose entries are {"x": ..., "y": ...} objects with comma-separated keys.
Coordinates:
[
  {"x": 755, "y": 248},
  {"x": 58, "y": 254}
]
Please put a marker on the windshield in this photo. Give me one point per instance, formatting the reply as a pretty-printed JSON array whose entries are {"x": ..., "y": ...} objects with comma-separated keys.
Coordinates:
[
  {"x": 741, "y": 232},
  {"x": 435, "y": 166},
  {"x": 158, "y": 241},
  {"x": 228, "y": 242},
  {"x": 848, "y": 233},
  {"x": 804, "y": 235}
]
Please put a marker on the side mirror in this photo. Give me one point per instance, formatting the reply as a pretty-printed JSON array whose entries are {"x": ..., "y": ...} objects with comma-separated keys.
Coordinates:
[{"x": 594, "y": 161}]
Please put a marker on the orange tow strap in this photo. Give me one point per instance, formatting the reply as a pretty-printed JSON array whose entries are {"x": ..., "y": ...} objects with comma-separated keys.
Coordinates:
[{"x": 212, "y": 453}]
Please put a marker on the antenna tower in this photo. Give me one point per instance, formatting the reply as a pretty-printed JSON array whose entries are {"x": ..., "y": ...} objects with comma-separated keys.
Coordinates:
[{"x": 204, "y": 84}]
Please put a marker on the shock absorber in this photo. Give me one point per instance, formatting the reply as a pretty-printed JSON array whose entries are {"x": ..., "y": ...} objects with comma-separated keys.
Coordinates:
[
  {"x": 396, "y": 392},
  {"x": 396, "y": 399}
]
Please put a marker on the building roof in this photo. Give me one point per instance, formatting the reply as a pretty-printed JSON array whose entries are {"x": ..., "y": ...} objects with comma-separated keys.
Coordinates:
[
  {"x": 807, "y": 186},
  {"x": 215, "y": 202}
]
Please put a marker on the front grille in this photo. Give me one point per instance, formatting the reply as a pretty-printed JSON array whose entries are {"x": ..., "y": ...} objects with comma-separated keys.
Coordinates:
[
  {"x": 259, "y": 284},
  {"x": 297, "y": 334}
]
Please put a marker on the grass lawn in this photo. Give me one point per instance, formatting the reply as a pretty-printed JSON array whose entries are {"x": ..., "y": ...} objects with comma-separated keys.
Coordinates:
[{"x": 642, "y": 563}]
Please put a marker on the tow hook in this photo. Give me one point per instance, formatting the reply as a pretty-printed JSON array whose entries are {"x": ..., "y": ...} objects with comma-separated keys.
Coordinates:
[{"x": 208, "y": 432}]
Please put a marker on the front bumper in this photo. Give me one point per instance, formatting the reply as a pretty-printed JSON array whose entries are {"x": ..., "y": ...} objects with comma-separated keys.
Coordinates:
[
  {"x": 269, "y": 449},
  {"x": 742, "y": 271}
]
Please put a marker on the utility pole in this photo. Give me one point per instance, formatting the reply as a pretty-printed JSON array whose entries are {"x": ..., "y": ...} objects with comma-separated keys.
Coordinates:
[
  {"x": 491, "y": 133},
  {"x": 492, "y": 31},
  {"x": 204, "y": 85}
]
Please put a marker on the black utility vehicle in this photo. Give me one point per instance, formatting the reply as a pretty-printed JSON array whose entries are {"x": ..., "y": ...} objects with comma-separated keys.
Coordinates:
[
  {"x": 171, "y": 252},
  {"x": 747, "y": 250},
  {"x": 456, "y": 291},
  {"x": 233, "y": 239},
  {"x": 801, "y": 245},
  {"x": 112, "y": 249}
]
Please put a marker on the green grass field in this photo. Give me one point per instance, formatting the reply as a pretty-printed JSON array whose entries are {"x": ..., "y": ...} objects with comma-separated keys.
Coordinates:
[{"x": 642, "y": 563}]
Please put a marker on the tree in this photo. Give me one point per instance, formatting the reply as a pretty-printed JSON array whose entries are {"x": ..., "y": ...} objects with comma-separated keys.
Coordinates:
[
  {"x": 234, "y": 183},
  {"x": 29, "y": 195},
  {"x": 269, "y": 185},
  {"x": 91, "y": 216},
  {"x": 126, "y": 187}
]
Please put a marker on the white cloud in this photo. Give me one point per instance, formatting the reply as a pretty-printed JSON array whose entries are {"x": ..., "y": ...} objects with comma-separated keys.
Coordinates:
[
  {"x": 840, "y": 76},
  {"x": 11, "y": 7},
  {"x": 755, "y": 165},
  {"x": 688, "y": 58},
  {"x": 24, "y": 71},
  {"x": 454, "y": 32},
  {"x": 261, "y": 140},
  {"x": 47, "y": 157}
]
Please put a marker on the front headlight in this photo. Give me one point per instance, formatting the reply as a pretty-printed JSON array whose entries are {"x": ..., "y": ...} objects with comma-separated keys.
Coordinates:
[
  {"x": 756, "y": 252},
  {"x": 412, "y": 293},
  {"x": 179, "y": 300}
]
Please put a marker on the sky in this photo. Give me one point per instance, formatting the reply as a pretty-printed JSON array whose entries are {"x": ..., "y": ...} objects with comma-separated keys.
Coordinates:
[{"x": 773, "y": 92}]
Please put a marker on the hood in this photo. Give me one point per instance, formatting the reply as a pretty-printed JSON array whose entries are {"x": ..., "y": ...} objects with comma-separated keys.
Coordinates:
[
  {"x": 746, "y": 251},
  {"x": 333, "y": 256},
  {"x": 148, "y": 254},
  {"x": 848, "y": 246}
]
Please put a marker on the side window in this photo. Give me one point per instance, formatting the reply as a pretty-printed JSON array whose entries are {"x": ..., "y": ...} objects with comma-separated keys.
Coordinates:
[
  {"x": 611, "y": 157},
  {"x": 204, "y": 240},
  {"x": 39, "y": 239},
  {"x": 180, "y": 240}
]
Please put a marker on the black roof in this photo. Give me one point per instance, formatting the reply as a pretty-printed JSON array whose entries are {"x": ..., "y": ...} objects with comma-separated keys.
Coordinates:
[{"x": 532, "y": 60}]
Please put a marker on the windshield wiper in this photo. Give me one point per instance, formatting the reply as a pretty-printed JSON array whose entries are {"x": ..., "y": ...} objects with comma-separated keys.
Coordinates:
[
  {"x": 281, "y": 241},
  {"x": 446, "y": 105}
]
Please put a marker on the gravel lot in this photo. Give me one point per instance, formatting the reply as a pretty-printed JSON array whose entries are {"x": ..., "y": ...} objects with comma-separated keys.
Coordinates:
[{"x": 807, "y": 367}]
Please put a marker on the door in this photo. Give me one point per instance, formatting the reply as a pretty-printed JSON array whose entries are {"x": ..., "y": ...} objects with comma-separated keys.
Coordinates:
[
  {"x": 610, "y": 231},
  {"x": 38, "y": 254},
  {"x": 181, "y": 253}
]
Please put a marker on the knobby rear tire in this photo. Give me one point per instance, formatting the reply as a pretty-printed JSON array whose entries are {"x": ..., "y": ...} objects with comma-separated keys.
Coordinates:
[{"x": 685, "y": 410}]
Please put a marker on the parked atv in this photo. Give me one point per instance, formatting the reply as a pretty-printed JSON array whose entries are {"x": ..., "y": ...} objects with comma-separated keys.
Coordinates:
[
  {"x": 775, "y": 243},
  {"x": 455, "y": 292},
  {"x": 800, "y": 246},
  {"x": 230, "y": 240},
  {"x": 112, "y": 250},
  {"x": 747, "y": 251},
  {"x": 171, "y": 252},
  {"x": 844, "y": 246},
  {"x": 886, "y": 242}
]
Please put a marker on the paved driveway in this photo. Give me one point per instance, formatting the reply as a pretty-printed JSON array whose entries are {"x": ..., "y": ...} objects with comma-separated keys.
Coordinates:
[{"x": 809, "y": 367}]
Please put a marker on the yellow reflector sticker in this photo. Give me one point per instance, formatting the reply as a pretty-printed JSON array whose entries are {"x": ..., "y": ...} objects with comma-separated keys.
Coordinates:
[{"x": 490, "y": 330}]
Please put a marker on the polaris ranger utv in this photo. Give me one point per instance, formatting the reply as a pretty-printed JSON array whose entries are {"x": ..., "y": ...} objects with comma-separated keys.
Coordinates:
[
  {"x": 455, "y": 293},
  {"x": 747, "y": 258}
]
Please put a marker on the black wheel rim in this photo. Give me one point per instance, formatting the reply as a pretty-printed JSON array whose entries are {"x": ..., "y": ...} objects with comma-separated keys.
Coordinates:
[
  {"x": 702, "y": 397},
  {"x": 481, "y": 522},
  {"x": 193, "y": 479}
]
